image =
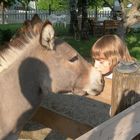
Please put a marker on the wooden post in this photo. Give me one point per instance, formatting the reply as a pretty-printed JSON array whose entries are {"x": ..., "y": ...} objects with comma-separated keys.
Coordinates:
[{"x": 125, "y": 87}]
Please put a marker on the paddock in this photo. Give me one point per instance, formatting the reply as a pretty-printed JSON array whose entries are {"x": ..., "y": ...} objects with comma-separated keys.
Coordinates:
[{"x": 69, "y": 117}]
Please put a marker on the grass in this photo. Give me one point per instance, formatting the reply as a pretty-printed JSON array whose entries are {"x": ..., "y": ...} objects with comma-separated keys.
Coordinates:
[
  {"x": 12, "y": 27},
  {"x": 83, "y": 47}
]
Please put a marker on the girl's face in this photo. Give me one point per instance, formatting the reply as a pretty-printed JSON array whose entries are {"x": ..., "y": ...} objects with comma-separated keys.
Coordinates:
[{"x": 103, "y": 65}]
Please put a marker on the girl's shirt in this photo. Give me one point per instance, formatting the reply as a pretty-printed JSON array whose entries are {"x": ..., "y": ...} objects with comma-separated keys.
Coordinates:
[{"x": 109, "y": 76}]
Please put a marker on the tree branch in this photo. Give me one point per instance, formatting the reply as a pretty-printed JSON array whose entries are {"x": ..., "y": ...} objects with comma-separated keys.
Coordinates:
[{"x": 108, "y": 4}]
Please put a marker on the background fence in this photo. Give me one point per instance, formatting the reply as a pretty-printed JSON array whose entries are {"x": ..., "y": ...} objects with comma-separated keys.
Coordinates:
[{"x": 18, "y": 16}]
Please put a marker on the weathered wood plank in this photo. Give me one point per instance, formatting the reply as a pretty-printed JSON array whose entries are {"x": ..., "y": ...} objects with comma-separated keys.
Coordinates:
[
  {"x": 62, "y": 124},
  {"x": 125, "y": 90},
  {"x": 125, "y": 87},
  {"x": 124, "y": 126}
]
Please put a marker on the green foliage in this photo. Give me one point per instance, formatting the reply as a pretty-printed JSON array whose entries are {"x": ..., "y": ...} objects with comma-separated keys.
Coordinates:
[
  {"x": 83, "y": 47},
  {"x": 55, "y": 4},
  {"x": 5, "y": 35},
  {"x": 12, "y": 27},
  {"x": 60, "y": 30},
  {"x": 133, "y": 43},
  {"x": 99, "y": 3},
  {"x": 94, "y": 3},
  {"x": 7, "y": 31},
  {"x": 43, "y": 5}
]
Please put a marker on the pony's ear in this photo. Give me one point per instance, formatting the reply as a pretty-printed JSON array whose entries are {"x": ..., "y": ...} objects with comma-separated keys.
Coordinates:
[
  {"x": 36, "y": 23},
  {"x": 47, "y": 36},
  {"x": 35, "y": 19}
]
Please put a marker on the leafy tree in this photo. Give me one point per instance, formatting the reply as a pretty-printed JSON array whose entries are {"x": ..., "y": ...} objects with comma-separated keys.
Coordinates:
[
  {"x": 53, "y": 4},
  {"x": 82, "y": 6},
  {"x": 43, "y": 5},
  {"x": 130, "y": 15},
  {"x": 74, "y": 28}
]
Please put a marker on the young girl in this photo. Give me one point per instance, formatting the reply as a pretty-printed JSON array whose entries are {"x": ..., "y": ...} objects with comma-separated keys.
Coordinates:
[{"x": 107, "y": 52}]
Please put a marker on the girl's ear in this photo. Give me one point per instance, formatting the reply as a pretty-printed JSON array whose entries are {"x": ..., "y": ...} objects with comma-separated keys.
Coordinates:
[{"x": 47, "y": 36}]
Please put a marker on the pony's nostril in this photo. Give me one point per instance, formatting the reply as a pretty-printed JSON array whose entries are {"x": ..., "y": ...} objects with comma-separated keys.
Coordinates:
[
  {"x": 102, "y": 80},
  {"x": 95, "y": 91}
]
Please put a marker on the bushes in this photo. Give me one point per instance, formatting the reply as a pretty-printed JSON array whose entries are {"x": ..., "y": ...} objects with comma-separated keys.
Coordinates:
[
  {"x": 133, "y": 43},
  {"x": 5, "y": 35},
  {"x": 7, "y": 31}
]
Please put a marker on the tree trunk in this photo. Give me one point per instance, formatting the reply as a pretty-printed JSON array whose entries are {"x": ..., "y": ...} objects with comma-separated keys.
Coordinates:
[
  {"x": 79, "y": 5},
  {"x": 129, "y": 18},
  {"x": 50, "y": 9},
  {"x": 74, "y": 28},
  {"x": 122, "y": 28},
  {"x": 133, "y": 15},
  {"x": 85, "y": 24},
  {"x": 96, "y": 12},
  {"x": 2, "y": 10},
  {"x": 26, "y": 12}
]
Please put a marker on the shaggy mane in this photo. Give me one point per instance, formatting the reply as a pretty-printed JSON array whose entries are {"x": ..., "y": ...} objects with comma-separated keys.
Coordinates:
[{"x": 22, "y": 38}]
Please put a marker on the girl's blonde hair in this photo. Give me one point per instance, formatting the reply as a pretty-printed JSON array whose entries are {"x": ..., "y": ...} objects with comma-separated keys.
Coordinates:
[{"x": 112, "y": 48}]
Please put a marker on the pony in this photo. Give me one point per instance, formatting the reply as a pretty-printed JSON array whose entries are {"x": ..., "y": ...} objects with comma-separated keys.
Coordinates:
[{"x": 34, "y": 64}]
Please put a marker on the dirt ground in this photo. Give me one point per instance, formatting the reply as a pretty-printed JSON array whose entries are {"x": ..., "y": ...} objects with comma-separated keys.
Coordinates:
[{"x": 82, "y": 109}]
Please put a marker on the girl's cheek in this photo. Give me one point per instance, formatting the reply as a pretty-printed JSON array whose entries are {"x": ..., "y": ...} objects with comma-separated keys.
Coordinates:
[
  {"x": 97, "y": 64},
  {"x": 105, "y": 70}
]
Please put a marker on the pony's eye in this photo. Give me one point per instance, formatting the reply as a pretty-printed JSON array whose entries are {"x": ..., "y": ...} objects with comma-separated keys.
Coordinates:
[{"x": 74, "y": 58}]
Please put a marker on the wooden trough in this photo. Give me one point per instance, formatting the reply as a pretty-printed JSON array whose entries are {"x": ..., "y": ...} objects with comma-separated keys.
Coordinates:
[
  {"x": 122, "y": 126},
  {"x": 55, "y": 121}
]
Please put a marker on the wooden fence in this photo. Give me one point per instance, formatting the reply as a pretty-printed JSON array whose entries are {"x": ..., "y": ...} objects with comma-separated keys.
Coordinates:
[
  {"x": 124, "y": 126},
  {"x": 18, "y": 16},
  {"x": 100, "y": 14},
  {"x": 125, "y": 98}
]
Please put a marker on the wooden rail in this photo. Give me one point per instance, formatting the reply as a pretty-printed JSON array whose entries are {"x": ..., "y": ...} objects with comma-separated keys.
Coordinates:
[{"x": 124, "y": 126}]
